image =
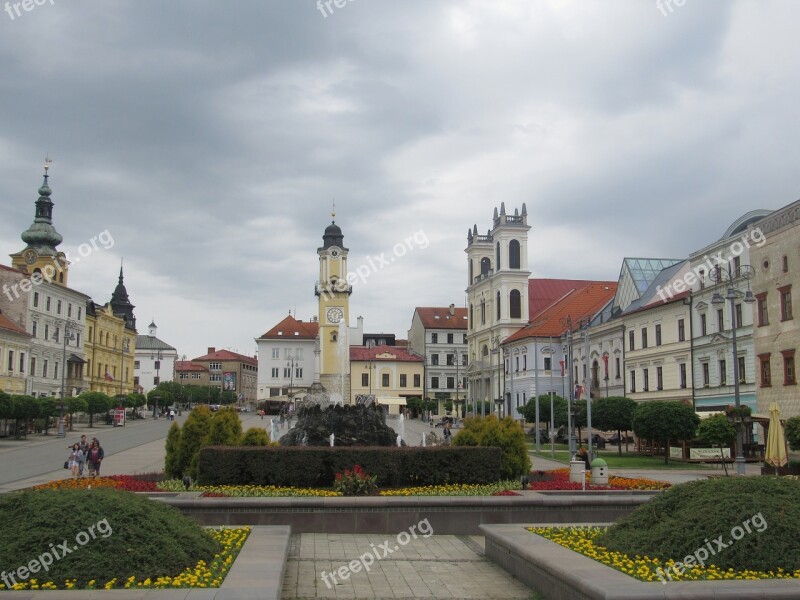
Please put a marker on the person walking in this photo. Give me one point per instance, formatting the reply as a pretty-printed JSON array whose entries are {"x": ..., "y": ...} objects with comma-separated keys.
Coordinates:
[
  {"x": 447, "y": 433},
  {"x": 75, "y": 459},
  {"x": 84, "y": 451},
  {"x": 584, "y": 456},
  {"x": 95, "y": 457}
]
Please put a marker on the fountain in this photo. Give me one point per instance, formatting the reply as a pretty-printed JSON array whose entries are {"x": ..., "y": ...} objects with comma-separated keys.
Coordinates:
[
  {"x": 273, "y": 430},
  {"x": 332, "y": 437},
  {"x": 350, "y": 425},
  {"x": 399, "y": 440},
  {"x": 401, "y": 427},
  {"x": 423, "y": 439}
]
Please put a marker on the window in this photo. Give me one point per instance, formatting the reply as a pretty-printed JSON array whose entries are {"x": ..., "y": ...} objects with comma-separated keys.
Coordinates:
[
  {"x": 195, "y": 375},
  {"x": 483, "y": 312},
  {"x": 69, "y": 310},
  {"x": 658, "y": 334},
  {"x": 766, "y": 377},
  {"x": 681, "y": 331},
  {"x": 464, "y": 359},
  {"x": 275, "y": 372},
  {"x": 516, "y": 364},
  {"x": 644, "y": 337},
  {"x": 633, "y": 381},
  {"x": 365, "y": 380},
  {"x": 46, "y": 331},
  {"x": 464, "y": 339},
  {"x": 706, "y": 379},
  {"x": 47, "y": 304},
  {"x": 742, "y": 372},
  {"x": 58, "y": 307},
  {"x": 786, "y": 303},
  {"x": 737, "y": 264},
  {"x": 737, "y": 311},
  {"x": 156, "y": 365},
  {"x": 451, "y": 383},
  {"x": 515, "y": 305},
  {"x": 434, "y": 359},
  {"x": 44, "y": 368},
  {"x": 702, "y": 278},
  {"x": 11, "y": 361},
  {"x": 659, "y": 378},
  {"x": 298, "y": 372},
  {"x": 79, "y": 313},
  {"x": 136, "y": 364},
  {"x": 497, "y": 256},
  {"x": 77, "y": 340},
  {"x": 35, "y": 299},
  {"x": 703, "y": 327},
  {"x": 215, "y": 366},
  {"x": 434, "y": 383},
  {"x": 497, "y": 303},
  {"x": 524, "y": 362},
  {"x": 646, "y": 383},
  {"x": 682, "y": 372},
  {"x": 287, "y": 372},
  {"x": 548, "y": 363},
  {"x": 763, "y": 314},
  {"x": 617, "y": 370},
  {"x": 723, "y": 373},
  {"x": 513, "y": 255},
  {"x": 785, "y": 264},
  {"x": 136, "y": 378},
  {"x": 155, "y": 380},
  {"x": 34, "y": 328},
  {"x": 55, "y": 371},
  {"x": 33, "y": 366},
  {"x": 276, "y": 353},
  {"x": 403, "y": 380},
  {"x": 449, "y": 338},
  {"x": 631, "y": 345},
  {"x": 216, "y": 377},
  {"x": 434, "y": 338},
  {"x": 789, "y": 377},
  {"x": 451, "y": 360},
  {"x": 385, "y": 380},
  {"x": 416, "y": 380},
  {"x": 720, "y": 320}
]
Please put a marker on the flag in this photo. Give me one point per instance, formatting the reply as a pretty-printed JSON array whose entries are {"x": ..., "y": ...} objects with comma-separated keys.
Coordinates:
[
  {"x": 108, "y": 377},
  {"x": 578, "y": 392},
  {"x": 561, "y": 362}
]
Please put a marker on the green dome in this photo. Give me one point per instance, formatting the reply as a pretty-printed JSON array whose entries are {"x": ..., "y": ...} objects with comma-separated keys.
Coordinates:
[{"x": 599, "y": 462}]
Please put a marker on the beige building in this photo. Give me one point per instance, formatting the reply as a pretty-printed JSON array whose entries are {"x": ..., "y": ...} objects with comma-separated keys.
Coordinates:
[
  {"x": 15, "y": 348},
  {"x": 775, "y": 282},
  {"x": 388, "y": 373},
  {"x": 231, "y": 372}
]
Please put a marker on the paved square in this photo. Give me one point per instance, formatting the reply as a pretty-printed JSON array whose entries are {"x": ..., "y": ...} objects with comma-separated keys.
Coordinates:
[{"x": 440, "y": 566}]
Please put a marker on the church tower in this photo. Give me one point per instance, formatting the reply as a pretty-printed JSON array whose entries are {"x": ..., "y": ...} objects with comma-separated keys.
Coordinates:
[
  {"x": 333, "y": 291},
  {"x": 40, "y": 257}
]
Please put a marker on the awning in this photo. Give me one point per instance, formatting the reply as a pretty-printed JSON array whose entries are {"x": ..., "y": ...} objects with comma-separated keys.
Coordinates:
[{"x": 391, "y": 400}]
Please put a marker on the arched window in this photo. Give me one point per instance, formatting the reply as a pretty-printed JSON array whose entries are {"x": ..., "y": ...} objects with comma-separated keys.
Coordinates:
[
  {"x": 471, "y": 320},
  {"x": 485, "y": 351},
  {"x": 497, "y": 257},
  {"x": 497, "y": 301},
  {"x": 486, "y": 266},
  {"x": 513, "y": 255},
  {"x": 515, "y": 305},
  {"x": 483, "y": 312},
  {"x": 471, "y": 274}
]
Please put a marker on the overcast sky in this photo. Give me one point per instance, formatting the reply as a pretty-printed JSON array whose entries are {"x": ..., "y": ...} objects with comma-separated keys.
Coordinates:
[{"x": 210, "y": 138}]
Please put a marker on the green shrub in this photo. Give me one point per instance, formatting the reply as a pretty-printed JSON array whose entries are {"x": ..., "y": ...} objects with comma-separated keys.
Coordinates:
[
  {"x": 355, "y": 482},
  {"x": 792, "y": 432},
  {"x": 506, "y": 435},
  {"x": 225, "y": 429},
  {"x": 171, "y": 466},
  {"x": 316, "y": 466},
  {"x": 133, "y": 535},
  {"x": 255, "y": 437},
  {"x": 193, "y": 435},
  {"x": 688, "y": 516}
]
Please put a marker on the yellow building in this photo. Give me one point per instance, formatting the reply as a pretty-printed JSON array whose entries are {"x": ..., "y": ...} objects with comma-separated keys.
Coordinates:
[
  {"x": 389, "y": 373},
  {"x": 15, "y": 347},
  {"x": 333, "y": 290},
  {"x": 111, "y": 343}
]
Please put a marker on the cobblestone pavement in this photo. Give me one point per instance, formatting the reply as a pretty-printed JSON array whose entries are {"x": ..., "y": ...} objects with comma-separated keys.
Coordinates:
[{"x": 439, "y": 566}]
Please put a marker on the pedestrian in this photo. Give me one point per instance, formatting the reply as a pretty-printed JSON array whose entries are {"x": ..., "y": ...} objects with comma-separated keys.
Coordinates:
[
  {"x": 75, "y": 458},
  {"x": 85, "y": 451},
  {"x": 447, "y": 433},
  {"x": 171, "y": 414},
  {"x": 584, "y": 456},
  {"x": 96, "y": 455}
]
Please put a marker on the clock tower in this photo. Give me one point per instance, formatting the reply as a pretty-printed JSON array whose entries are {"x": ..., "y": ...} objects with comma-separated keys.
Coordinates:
[
  {"x": 41, "y": 257},
  {"x": 333, "y": 291}
]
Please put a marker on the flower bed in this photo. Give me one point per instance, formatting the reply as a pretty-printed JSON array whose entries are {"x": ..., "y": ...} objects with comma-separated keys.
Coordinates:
[
  {"x": 559, "y": 480},
  {"x": 645, "y": 568},
  {"x": 129, "y": 483},
  {"x": 202, "y": 575}
]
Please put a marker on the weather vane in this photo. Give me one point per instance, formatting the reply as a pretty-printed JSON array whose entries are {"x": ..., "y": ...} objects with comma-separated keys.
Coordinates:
[
  {"x": 47, "y": 162},
  {"x": 333, "y": 210}
]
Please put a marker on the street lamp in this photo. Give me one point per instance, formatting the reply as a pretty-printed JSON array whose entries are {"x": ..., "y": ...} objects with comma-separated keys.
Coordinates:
[
  {"x": 495, "y": 349},
  {"x": 291, "y": 365},
  {"x": 566, "y": 324},
  {"x": 730, "y": 276},
  {"x": 69, "y": 334}
]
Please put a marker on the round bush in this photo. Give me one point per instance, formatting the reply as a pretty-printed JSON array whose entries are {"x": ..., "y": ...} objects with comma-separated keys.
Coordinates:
[
  {"x": 109, "y": 534},
  {"x": 702, "y": 514}
]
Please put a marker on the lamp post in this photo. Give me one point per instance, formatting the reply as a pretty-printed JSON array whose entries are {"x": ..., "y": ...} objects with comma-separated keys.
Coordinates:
[
  {"x": 290, "y": 364},
  {"x": 69, "y": 334},
  {"x": 495, "y": 349},
  {"x": 729, "y": 276},
  {"x": 566, "y": 323}
]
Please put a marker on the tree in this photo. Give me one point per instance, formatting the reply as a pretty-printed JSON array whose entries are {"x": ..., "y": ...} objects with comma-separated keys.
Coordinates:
[
  {"x": 96, "y": 403},
  {"x": 256, "y": 437},
  {"x": 227, "y": 397},
  {"x": 792, "y": 432},
  {"x": 171, "y": 467},
  {"x": 135, "y": 401},
  {"x": 6, "y": 406},
  {"x": 25, "y": 409},
  {"x": 47, "y": 409},
  {"x": 225, "y": 429},
  {"x": 559, "y": 405},
  {"x": 193, "y": 436},
  {"x": 614, "y": 413},
  {"x": 506, "y": 435},
  {"x": 661, "y": 421},
  {"x": 717, "y": 431}
]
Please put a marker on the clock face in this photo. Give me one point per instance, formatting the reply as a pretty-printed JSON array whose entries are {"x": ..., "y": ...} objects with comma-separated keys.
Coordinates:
[
  {"x": 335, "y": 253},
  {"x": 335, "y": 315},
  {"x": 30, "y": 256}
]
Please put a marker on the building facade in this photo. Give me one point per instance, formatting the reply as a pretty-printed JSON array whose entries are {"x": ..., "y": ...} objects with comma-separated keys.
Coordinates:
[
  {"x": 288, "y": 356},
  {"x": 775, "y": 284},
  {"x": 390, "y": 374},
  {"x": 154, "y": 361},
  {"x": 15, "y": 350},
  {"x": 231, "y": 372}
]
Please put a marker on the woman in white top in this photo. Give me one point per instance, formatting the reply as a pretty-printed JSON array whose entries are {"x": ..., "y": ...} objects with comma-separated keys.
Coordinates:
[{"x": 75, "y": 459}]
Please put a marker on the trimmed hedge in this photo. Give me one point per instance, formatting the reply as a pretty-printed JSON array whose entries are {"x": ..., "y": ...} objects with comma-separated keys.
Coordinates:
[{"x": 316, "y": 467}]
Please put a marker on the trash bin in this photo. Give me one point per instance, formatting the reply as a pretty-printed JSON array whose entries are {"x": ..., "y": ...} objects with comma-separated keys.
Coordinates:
[
  {"x": 599, "y": 472},
  {"x": 577, "y": 468}
]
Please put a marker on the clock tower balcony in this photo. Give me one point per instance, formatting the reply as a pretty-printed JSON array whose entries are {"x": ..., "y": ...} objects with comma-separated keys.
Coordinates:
[{"x": 340, "y": 286}]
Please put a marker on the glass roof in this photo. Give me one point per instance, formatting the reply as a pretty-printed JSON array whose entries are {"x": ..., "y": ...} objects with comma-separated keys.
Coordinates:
[{"x": 644, "y": 270}]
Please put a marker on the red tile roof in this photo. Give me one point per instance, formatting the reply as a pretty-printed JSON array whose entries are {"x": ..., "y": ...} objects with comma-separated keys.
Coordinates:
[
  {"x": 291, "y": 327},
  {"x": 227, "y": 356},
  {"x": 187, "y": 365},
  {"x": 544, "y": 292},
  {"x": 9, "y": 325},
  {"x": 438, "y": 317},
  {"x": 400, "y": 355},
  {"x": 585, "y": 299},
  {"x": 13, "y": 270}
]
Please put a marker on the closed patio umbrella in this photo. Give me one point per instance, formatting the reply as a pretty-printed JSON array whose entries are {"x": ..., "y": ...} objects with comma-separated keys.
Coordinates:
[{"x": 775, "y": 452}]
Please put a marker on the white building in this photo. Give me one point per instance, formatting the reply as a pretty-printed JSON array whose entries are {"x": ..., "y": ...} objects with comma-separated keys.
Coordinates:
[
  {"x": 154, "y": 362},
  {"x": 288, "y": 359}
]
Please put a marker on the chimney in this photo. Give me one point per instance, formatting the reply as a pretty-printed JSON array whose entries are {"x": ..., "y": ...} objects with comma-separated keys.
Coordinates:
[
  {"x": 452, "y": 310},
  {"x": 211, "y": 350}
]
